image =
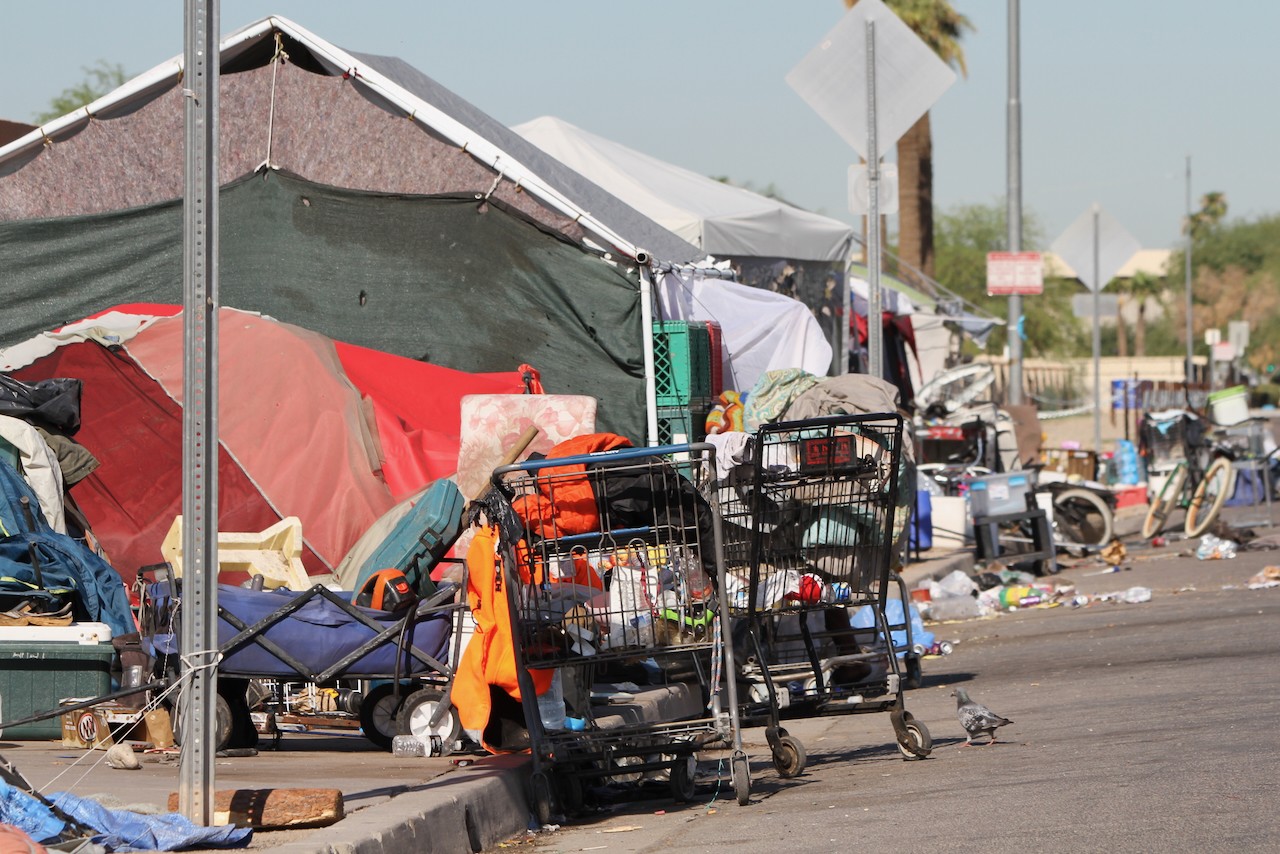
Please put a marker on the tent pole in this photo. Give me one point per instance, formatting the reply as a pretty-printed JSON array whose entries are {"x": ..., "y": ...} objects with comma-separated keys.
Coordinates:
[{"x": 646, "y": 320}]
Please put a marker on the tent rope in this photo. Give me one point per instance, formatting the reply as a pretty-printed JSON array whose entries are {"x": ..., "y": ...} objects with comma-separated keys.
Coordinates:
[
  {"x": 277, "y": 58},
  {"x": 492, "y": 188}
]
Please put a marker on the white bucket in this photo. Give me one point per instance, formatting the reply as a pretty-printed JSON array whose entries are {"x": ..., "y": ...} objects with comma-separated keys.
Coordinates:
[{"x": 1229, "y": 406}]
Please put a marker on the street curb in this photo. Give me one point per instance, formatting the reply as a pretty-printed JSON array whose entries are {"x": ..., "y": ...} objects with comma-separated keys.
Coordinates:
[{"x": 463, "y": 810}]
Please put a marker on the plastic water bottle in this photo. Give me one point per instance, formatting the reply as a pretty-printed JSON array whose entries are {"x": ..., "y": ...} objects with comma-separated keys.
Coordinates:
[
  {"x": 551, "y": 705},
  {"x": 403, "y": 746}
]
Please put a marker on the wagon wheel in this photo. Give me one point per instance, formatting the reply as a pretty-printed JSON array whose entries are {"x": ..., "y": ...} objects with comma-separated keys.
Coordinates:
[
  {"x": 378, "y": 715},
  {"x": 415, "y": 718}
]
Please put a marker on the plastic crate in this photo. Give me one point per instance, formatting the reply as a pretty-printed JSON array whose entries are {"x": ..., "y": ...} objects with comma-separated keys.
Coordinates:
[
  {"x": 680, "y": 424},
  {"x": 716, "y": 336},
  {"x": 37, "y": 675},
  {"x": 681, "y": 362},
  {"x": 999, "y": 494}
]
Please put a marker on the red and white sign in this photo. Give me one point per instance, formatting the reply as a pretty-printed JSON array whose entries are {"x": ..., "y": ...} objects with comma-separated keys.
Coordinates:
[{"x": 1015, "y": 273}]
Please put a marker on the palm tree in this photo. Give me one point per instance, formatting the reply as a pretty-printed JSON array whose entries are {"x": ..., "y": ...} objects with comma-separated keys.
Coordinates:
[
  {"x": 1213, "y": 209},
  {"x": 940, "y": 26}
]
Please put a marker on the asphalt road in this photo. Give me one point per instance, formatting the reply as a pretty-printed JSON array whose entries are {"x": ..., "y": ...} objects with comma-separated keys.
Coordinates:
[{"x": 1143, "y": 727}]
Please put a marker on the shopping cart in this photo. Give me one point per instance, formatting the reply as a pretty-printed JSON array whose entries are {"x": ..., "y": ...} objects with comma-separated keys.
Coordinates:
[
  {"x": 811, "y": 523},
  {"x": 614, "y": 560}
]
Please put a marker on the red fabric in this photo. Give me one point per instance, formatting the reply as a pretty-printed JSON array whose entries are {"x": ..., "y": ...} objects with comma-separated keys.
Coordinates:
[
  {"x": 135, "y": 431},
  {"x": 571, "y": 499},
  {"x": 417, "y": 407}
]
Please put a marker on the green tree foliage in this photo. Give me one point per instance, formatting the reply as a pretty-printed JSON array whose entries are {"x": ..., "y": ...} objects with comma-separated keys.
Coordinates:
[
  {"x": 99, "y": 80},
  {"x": 1237, "y": 268},
  {"x": 964, "y": 237}
]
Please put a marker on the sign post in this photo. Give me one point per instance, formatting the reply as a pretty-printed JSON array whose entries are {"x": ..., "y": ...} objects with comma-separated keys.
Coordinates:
[
  {"x": 1096, "y": 246},
  {"x": 871, "y": 57}
]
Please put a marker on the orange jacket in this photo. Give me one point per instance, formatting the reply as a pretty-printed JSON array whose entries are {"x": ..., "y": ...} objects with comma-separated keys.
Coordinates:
[{"x": 489, "y": 658}]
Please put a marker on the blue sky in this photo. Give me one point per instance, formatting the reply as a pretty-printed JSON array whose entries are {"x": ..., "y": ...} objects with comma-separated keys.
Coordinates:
[{"x": 1115, "y": 94}]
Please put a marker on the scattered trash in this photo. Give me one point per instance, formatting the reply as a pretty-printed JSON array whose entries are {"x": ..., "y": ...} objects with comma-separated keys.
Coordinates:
[
  {"x": 1213, "y": 548},
  {"x": 1132, "y": 596},
  {"x": 623, "y": 829},
  {"x": 121, "y": 756},
  {"x": 1114, "y": 553},
  {"x": 1268, "y": 577},
  {"x": 1159, "y": 542}
]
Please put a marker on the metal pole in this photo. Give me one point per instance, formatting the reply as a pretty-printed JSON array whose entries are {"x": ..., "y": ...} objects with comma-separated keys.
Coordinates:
[
  {"x": 875, "y": 348},
  {"x": 199, "y": 410},
  {"x": 1191, "y": 368},
  {"x": 1097, "y": 340},
  {"x": 1014, "y": 202},
  {"x": 646, "y": 337}
]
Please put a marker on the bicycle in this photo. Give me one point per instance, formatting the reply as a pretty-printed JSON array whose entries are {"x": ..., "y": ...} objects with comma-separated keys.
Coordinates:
[{"x": 1200, "y": 491}]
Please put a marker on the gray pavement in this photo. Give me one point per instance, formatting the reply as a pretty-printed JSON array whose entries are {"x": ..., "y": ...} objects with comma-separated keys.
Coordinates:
[{"x": 400, "y": 804}]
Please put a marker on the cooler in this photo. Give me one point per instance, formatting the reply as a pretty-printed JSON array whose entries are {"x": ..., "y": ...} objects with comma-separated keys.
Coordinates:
[{"x": 40, "y": 666}]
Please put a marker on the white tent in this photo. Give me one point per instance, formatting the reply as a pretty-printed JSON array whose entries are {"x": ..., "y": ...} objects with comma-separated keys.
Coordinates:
[{"x": 718, "y": 218}]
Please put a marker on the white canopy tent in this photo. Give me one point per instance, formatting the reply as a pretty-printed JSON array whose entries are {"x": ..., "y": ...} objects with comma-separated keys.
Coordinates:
[{"x": 719, "y": 218}]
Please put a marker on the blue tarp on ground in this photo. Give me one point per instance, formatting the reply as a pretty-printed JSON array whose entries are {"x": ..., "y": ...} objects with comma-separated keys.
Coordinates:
[{"x": 118, "y": 830}]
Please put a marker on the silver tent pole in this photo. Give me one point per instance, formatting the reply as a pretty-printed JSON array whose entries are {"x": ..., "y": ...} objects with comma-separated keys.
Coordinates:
[
  {"x": 1097, "y": 339},
  {"x": 199, "y": 410}
]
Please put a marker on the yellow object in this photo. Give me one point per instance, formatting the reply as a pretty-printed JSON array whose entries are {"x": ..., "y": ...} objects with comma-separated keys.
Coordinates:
[{"x": 275, "y": 554}]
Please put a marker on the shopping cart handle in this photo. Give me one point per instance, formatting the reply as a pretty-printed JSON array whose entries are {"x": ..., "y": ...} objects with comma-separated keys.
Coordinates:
[{"x": 600, "y": 456}]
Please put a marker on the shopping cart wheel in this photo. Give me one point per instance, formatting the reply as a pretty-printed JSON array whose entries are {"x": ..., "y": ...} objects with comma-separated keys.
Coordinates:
[
  {"x": 414, "y": 718},
  {"x": 683, "y": 773},
  {"x": 917, "y": 743},
  {"x": 741, "y": 770},
  {"x": 540, "y": 797},
  {"x": 914, "y": 673},
  {"x": 571, "y": 792},
  {"x": 789, "y": 757}
]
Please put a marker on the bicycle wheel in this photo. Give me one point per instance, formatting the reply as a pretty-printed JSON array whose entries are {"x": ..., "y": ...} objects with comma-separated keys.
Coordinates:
[
  {"x": 1209, "y": 496},
  {"x": 1164, "y": 503},
  {"x": 1083, "y": 518}
]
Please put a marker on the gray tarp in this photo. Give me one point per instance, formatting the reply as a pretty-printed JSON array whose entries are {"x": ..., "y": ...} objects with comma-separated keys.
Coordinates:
[{"x": 441, "y": 278}]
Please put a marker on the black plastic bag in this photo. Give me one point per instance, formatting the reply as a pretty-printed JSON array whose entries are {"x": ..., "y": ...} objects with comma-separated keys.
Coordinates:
[{"x": 53, "y": 404}]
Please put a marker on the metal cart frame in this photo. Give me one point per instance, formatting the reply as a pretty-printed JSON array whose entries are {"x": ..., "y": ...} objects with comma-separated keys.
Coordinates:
[
  {"x": 813, "y": 520},
  {"x": 654, "y": 545}
]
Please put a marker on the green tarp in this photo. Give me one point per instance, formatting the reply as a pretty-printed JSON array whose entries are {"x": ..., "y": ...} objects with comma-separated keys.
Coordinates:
[{"x": 445, "y": 279}]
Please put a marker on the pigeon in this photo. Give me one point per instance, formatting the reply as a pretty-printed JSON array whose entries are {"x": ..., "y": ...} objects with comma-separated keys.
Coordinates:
[{"x": 976, "y": 718}]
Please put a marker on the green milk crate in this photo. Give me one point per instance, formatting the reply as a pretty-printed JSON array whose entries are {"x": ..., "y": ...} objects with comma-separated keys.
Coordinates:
[
  {"x": 36, "y": 676},
  {"x": 680, "y": 425},
  {"x": 682, "y": 360}
]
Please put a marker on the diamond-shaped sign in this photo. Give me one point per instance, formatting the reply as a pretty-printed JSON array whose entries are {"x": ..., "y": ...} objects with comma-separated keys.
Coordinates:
[
  {"x": 832, "y": 78},
  {"x": 1115, "y": 247}
]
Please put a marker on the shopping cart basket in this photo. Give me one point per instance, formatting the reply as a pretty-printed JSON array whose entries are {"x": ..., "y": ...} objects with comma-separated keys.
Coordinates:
[
  {"x": 811, "y": 524},
  {"x": 615, "y": 568}
]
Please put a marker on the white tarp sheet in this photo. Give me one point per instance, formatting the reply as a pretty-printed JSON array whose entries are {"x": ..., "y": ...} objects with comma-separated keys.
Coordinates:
[
  {"x": 718, "y": 218},
  {"x": 761, "y": 330}
]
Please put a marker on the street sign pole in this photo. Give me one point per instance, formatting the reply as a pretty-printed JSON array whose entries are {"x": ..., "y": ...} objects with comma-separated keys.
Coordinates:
[
  {"x": 199, "y": 412},
  {"x": 1191, "y": 368},
  {"x": 1097, "y": 337},
  {"x": 874, "y": 330}
]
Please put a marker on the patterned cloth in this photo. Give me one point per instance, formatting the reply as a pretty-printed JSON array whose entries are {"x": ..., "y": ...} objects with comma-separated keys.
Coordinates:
[{"x": 772, "y": 394}]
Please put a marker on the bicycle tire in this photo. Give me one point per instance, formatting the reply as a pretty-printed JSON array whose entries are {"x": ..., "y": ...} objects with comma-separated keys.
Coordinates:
[
  {"x": 1083, "y": 517},
  {"x": 1211, "y": 493},
  {"x": 1164, "y": 503}
]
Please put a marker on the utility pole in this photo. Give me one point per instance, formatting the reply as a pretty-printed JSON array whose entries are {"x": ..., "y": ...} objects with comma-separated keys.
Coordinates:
[
  {"x": 1014, "y": 202},
  {"x": 1190, "y": 240}
]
